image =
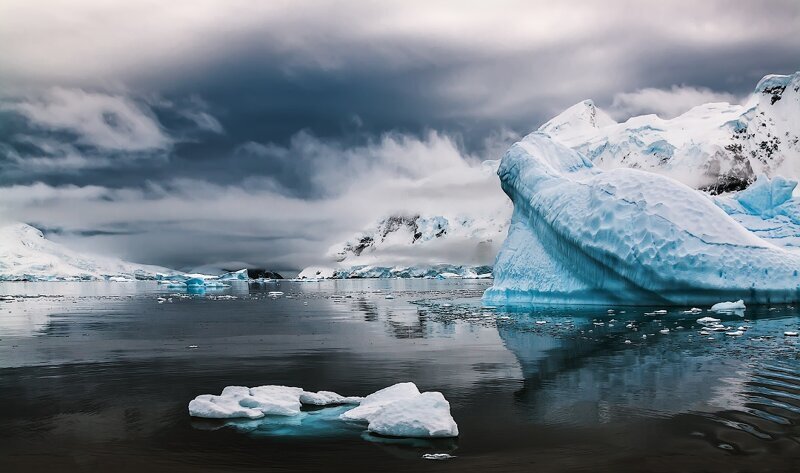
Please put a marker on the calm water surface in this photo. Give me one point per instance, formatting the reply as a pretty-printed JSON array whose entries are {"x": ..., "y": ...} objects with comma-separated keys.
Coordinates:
[{"x": 97, "y": 377}]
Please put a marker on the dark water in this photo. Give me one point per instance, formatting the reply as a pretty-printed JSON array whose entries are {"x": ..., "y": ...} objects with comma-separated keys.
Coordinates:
[{"x": 97, "y": 377}]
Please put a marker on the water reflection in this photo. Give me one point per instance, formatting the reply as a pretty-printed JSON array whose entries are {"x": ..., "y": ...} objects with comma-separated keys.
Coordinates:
[{"x": 107, "y": 370}]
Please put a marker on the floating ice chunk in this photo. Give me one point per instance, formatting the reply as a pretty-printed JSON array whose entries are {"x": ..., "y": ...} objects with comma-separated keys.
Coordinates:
[
  {"x": 195, "y": 282},
  {"x": 707, "y": 321},
  {"x": 424, "y": 415},
  {"x": 274, "y": 294},
  {"x": 241, "y": 401},
  {"x": 220, "y": 407},
  {"x": 790, "y": 334},
  {"x": 735, "y": 333},
  {"x": 327, "y": 398},
  {"x": 437, "y": 456},
  {"x": 664, "y": 331},
  {"x": 377, "y": 400},
  {"x": 728, "y": 306}
]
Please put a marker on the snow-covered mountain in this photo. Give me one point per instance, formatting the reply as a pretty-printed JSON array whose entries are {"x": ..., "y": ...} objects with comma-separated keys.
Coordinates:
[
  {"x": 716, "y": 147},
  {"x": 419, "y": 246},
  {"x": 26, "y": 255}
]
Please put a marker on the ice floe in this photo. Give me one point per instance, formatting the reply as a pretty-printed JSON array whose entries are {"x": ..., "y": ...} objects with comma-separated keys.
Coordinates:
[{"x": 400, "y": 410}]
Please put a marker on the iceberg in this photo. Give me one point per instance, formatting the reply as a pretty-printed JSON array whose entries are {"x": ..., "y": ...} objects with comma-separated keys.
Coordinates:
[{"x": 583, "y": 235}]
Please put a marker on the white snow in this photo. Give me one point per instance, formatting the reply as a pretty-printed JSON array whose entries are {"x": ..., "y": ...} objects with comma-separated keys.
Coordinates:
[
  {"x": 379, "y": 399},
  {"x": 327, "y": 398},
  {"x": 728, "y": 306},
  {"x": 424, "y": 415},
  {"x": 241, "y": 401},
  {"x": 709, "y": 145},
  {"x": 26, "y": 255}
]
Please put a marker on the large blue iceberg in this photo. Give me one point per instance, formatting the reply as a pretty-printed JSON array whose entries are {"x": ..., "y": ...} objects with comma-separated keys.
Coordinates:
[{"x": 581, "y": 235}]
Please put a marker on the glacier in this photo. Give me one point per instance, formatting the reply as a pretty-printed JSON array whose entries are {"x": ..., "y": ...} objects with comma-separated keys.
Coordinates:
[
  {"x": 26, "y": 255},
  {"x": 580, "y": 234}
]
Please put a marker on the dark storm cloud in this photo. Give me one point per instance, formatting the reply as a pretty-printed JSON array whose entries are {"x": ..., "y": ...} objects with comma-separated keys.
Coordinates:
[{"x": 301, "y": 100}]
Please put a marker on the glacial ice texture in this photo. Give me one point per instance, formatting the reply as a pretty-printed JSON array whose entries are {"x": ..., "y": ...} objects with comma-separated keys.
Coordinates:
[{"x": 583, "y": 235}]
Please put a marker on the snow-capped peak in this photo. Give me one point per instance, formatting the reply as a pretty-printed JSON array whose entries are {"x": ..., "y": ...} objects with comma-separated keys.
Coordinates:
[
  {"x": 578, "y": 119},
  {"x": 718, "y": 147}
]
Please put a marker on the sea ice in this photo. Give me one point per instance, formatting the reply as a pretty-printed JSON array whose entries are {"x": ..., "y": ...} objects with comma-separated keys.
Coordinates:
[
  {"x": 399, "y": 410},
  {"x": 728, "y": 306},
  {"x": 377, "y": 400},
  {"x": 241, "y": 401},
  {"x": 402, "y": 411}
]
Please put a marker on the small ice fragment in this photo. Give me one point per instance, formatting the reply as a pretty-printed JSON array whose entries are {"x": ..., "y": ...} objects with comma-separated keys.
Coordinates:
[
  {"x": 424, "y": 415},
  {"x": 790, "y": 334},
  {"x": 728, "y": 306},
  {"x": 707, "y": 321},
  {"x": 437, "y": 456},
  {"x": 541, "y": 322},
  {"x": 735, "y": 333},
  {"x": 274, "y": 294},
  {"x": 628, "y": 342},
  {"x": 192, "y": 346},
  {"x": 664, "y": 331},
  {"x": 389, "y": 296},
  {"x": 660, "y": 312}
]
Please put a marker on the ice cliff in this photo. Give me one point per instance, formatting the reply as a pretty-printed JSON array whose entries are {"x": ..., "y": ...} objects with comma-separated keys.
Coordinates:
[{"x": 582, "y": 234}]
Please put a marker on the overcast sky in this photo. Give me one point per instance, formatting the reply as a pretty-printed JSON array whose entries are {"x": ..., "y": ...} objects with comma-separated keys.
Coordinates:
[{"x": 199, "y": 132}]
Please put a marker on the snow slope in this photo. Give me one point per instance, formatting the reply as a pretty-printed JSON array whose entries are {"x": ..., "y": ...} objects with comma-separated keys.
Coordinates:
[
  {"x": 717, "y": 146},
  {"x": 425, "y": 244},
  {"x": 581, "y": 234},
  {"x": 26, "y": 255}
]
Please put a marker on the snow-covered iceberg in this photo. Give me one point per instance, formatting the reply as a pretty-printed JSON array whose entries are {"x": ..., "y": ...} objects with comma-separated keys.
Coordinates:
[
  {"x": 580, "y": 234},
  {"x": 400, "y": 410}
]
